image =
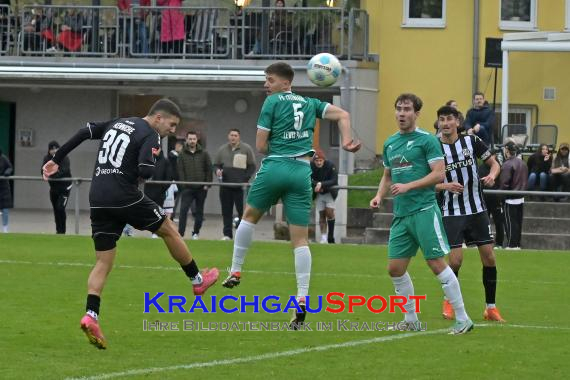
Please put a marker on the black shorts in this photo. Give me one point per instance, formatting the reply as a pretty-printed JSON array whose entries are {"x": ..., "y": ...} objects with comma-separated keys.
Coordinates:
[
  {"x": 143, "y": 215},
  {"x": 474, "y": 229}
]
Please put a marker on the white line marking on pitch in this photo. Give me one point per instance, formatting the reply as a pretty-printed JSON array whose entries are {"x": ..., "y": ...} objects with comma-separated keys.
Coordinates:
[
  {"x": 274, "y": 355},
  {"x": 248, "y": 359},
  {"x": 173, "y": 268}
]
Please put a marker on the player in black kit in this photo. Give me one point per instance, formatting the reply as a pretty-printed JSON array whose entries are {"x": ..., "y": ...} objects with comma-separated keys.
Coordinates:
[
  {"x": 126, "y": 154},
  {"x": 465, "y": 217}
]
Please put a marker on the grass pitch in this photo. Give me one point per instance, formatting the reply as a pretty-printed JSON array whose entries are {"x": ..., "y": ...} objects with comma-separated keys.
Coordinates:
[{"x": 42, "y": 298}]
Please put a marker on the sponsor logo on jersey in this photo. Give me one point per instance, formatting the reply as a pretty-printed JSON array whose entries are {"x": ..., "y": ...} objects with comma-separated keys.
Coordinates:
[
  {"x": 460, "y": 164},
  {"x": 400, "y": 162},
  {"x": 99, "y": 171}
]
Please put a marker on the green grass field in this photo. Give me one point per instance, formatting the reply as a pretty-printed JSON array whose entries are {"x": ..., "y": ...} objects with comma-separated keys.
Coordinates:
[{"x": 42, "y": 298}]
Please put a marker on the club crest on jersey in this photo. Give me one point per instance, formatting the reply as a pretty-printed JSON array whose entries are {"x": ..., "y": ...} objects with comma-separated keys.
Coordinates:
[{"x": 466, "y": 153}]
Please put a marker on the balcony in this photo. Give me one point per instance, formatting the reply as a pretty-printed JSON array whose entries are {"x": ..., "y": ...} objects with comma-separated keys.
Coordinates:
[{"x": 65, "y": 33}]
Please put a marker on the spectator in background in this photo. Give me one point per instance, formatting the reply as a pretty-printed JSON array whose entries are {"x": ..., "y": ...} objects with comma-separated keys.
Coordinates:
[
  {"x": 70, "y": 35},
  {"x": 140, "y": 41},
  {"x": 494, "y": 204},
  {"x": 278, "y": 23},
  {"x": 58, "y": 190},
  {"x": 34, "y": 24},
  {"x": 234, "y": 162},
  {"x": 514, "y": 175},
  {"x": 194, "y": 165},
  {"x": 323, "y": 177},
  {"x": 538, "y": 168},
  {"x": 172, "y": 31},
  {"x": 559, "y": 173},
  {"x": 5, "y": 192},
  {"x": 480, "y": 119}
]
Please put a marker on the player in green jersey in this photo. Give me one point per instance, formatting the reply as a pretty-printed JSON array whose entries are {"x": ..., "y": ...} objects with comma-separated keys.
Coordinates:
[
  {"x": 285, "y": 134},
  {"x": 413, "y": 165}
]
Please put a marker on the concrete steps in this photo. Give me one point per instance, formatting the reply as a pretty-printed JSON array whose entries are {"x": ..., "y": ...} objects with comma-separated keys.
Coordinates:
[{"x": 546, "y": 226}]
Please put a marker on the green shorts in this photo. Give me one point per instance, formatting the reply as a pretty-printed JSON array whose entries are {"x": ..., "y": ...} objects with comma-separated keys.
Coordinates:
[
  {"x": 287, "y": 179},
  {"x": 424, "y": 230}
]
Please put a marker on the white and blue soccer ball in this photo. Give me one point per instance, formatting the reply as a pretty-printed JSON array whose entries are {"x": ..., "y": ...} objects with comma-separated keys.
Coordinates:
[{"x": 324, "y": 69}]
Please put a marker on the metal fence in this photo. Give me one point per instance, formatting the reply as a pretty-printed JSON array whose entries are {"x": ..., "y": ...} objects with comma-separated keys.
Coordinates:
[
  {"x": 183, "y": 32},
  {"x": 293, "y": 32},
  {"x": 5, "y": 28},
  {"x": 68, "y": 30},
  {"x": 77, "y": 188}
]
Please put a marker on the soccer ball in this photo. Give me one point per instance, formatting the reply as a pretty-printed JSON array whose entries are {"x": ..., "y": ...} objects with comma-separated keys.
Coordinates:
[
  {"x": 324, "y": 69},
  {"x": 236, "y": 222}
]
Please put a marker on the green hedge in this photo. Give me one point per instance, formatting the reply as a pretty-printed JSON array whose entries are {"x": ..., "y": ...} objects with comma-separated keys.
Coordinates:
[{"x": 361, "y": 198}]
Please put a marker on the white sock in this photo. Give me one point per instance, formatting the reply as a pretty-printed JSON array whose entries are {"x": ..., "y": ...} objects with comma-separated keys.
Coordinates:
[
  {"x": 242, "y": 241},
  {"x": 302, "y": 270},
  {"x": 452, "y": 291},
  {"x": 197, "y": 280},
  {"x": 324, "y": 236},
  {"x": 404, "y": 287},
  {"x": 491, "y": 306}
]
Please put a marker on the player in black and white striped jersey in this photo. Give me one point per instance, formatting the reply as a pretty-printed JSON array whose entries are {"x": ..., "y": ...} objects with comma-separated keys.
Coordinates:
[{"x": 465, "y": 215}]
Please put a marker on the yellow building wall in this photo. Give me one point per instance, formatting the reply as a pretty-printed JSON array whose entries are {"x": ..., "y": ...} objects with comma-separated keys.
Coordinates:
[
  {"x": 436, "y": 63},
  {"x": 530, "y": 72}
]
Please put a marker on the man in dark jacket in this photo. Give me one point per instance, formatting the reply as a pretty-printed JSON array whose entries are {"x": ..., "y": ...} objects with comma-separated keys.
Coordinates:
[
  {"x": 323, "y": 177},
  {"x": 6, "y": 202},
  {"x": 194, "y": 165},
  {"x": 59, "y": 190},
  {"x": 234, "y": 163},
  {"x": 480, "y": 119},
  {"x": 514, "y": 176}
]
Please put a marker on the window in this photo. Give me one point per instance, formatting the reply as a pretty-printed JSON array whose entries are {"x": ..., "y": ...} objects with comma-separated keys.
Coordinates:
[
  {"x": 424, "y": 14},
  {"x": 518, "y": 114},
  {"x": 517, "y": 15}
]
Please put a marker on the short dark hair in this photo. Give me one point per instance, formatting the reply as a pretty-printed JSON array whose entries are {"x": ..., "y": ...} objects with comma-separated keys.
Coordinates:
[
  {"x": 281, "y": 69},
  {"x": 511, "y": 146},
  {"x": 166, "y": 106},
  {"x": 234, "y": 130},
  {"x": 449, "y": 102},
  {"x": 191, "y": 133},
  {"x": 414, "y": 99},
  {"x": 478, "y": 93},
  {"x": 447, "y": 110}
]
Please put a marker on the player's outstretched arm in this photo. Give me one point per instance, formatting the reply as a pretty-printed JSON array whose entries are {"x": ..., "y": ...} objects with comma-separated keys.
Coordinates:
[
  {"x": 342, "y": 118},
  {"x": 52, "y": 165}
]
